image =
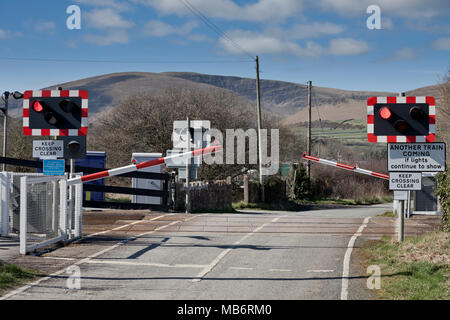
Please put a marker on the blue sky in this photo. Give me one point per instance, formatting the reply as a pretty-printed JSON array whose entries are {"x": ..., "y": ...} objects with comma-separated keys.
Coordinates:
[{"x": 325, "y": 41}]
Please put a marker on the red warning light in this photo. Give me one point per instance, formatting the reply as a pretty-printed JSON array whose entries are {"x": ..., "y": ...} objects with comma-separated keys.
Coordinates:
[
  {"x": 37, "y": 106},
  {"x": 385, "y": 113}
]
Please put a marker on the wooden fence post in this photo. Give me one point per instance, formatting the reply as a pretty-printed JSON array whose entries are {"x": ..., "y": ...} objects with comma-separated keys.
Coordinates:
[{"x": 246, "y": 189}]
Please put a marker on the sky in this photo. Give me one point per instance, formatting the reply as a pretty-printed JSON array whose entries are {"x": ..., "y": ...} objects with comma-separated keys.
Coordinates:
[{"x": 325, "y": 41}]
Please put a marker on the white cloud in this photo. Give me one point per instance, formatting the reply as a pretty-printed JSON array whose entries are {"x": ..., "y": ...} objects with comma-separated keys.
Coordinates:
[
  {"x": 106, "y": 18},
  {"x": 404, "y": 8},
  {"x": 4, "y": 34},
  {"x": 262, "y": 10},
  {"x": 7, "y": 34},
  {"x": 387, "y": 23},
  {"x": 156, "y": 28},
  {"x": 260, "y": 43},
  {"x": 442, "y": 44},
  {"x": 110, "y": 38},
  {"x": 347, "y": 46},
  {"x": 106, "y": 3},
  {"x": 199, "y": 38},
  {"x": 428, "y": 26},
  {"x": 403, "y": 54},
  {"x": 44, "y": 26},
  {"x": 306, "y": 30}
]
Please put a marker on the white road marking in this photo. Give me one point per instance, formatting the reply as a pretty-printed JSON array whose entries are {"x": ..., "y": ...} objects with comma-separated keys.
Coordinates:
[
  {"x": 348, "y": 253},
  {"x": 87, "y": 259},
  {"x": 216, "y": 260},
  {"x": 145, "y": 264},
  {"x": 320, "y": 271},
  {"x": 115, "y": 229},
  {"x": 241, "y": 268},
  {"x": 126, "y": 225},
  {"x": 280, "y": 270},
  {"x": 60, "y": 258}
]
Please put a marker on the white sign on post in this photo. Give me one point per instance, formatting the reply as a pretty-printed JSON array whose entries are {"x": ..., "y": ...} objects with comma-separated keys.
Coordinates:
[
  {"x": 419, "y": 157},
  {"x": 405, "y": 181},
  {"x": 201, "y": 136},
  {"x": 48, "y": 149}
]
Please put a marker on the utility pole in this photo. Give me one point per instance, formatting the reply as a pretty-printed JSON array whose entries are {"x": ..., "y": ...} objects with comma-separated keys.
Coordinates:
[
  {"x": 5, "y": 125},
  {"x": 188, "y": 203},
  {"x": 5, "y": 97},
  {"x": 308, "y": 143},
  {"x": 258, "y": 111}
]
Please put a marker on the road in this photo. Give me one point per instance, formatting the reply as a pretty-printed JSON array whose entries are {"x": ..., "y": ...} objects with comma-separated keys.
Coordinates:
[{"x": 264, "y": 255}]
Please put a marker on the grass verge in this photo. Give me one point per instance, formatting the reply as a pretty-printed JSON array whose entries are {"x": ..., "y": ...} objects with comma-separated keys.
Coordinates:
[
  {"x": 12, "y": 275},
  {"x": 417, "y": 269},
  {"x": 388, "y": 214}
]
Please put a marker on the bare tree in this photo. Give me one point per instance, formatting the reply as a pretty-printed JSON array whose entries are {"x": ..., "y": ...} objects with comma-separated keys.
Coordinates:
[{"x": 145, "y": 122}]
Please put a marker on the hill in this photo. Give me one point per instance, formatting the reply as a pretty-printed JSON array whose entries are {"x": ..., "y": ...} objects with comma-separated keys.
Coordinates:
[{"x": 285, "y": 100}]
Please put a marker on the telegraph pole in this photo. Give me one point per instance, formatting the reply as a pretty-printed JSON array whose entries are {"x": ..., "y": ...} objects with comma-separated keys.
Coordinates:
[
  {"x": 258, "y": 111},
  {"x": 308, "y": 143}
]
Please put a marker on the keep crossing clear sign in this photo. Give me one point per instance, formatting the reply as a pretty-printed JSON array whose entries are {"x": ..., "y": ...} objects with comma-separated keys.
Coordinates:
[
  {"x": 48, "y": 149},
  {"x": 418, "y": 157},
  {"x": 405, "y": 181}
]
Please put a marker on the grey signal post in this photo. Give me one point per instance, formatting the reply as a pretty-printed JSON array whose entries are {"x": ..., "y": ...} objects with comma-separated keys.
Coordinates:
[
  {"x": 405, "y": 207},
  {"x": 188, "y": 204}
]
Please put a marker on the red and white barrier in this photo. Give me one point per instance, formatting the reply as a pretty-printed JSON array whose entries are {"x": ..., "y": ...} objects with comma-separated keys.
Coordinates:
[
  {"x": 346, "y": 167},
  {"x": 145, "y": 164}
]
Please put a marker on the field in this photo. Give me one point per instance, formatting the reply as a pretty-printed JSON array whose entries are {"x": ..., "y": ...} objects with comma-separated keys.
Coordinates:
[{"x": 351, "y": 134}]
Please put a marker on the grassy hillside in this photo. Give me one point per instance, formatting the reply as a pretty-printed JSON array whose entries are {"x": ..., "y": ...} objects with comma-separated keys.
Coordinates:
[{"x": 285, "y": 100}]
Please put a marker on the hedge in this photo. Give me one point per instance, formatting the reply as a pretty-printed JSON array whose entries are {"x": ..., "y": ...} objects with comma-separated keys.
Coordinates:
[{"x": 443, "y": 192}]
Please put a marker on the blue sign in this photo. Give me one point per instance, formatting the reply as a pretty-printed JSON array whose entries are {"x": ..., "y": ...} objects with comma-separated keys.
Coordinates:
[{"x": 54, "y": 167}]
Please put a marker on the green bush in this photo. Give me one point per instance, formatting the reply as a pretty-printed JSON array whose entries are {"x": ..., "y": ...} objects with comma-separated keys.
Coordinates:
[
  {"x": 302, "y": 184},
  {"x": 443, "y": 192},
  {"x": 274, "y": 189}
]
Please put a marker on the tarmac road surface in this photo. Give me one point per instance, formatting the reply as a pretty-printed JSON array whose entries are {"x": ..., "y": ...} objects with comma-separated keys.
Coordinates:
[{"x": 251, "y": 255}]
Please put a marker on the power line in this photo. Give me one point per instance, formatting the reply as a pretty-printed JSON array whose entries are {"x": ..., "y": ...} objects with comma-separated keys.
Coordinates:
[
  {"x": 124, "y": 61},
  {"x": 214, "y": 27}
]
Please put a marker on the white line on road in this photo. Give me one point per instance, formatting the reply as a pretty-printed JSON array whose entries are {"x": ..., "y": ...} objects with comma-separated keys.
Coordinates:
[
  {"x": 280, "y": 270},
  {"x": 348, "y": 253},
  {"x": 60, "y": 258},
  {"x": 145, "y": 264},
  {"x": 318, "y": 271},
  {"x": 87, "y": 259},
  {"x": 118, "y": 228},
  {"x": 216, "y": 260},
  {"x": 241, "y": 268}
]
